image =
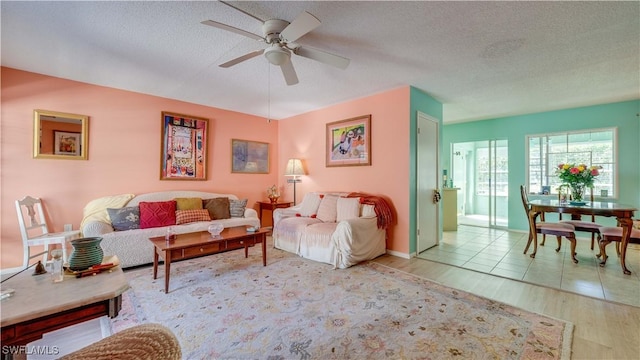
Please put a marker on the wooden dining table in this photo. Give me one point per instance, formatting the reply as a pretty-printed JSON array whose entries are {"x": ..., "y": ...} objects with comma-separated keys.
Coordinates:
[{"x": 623, "y": 213}]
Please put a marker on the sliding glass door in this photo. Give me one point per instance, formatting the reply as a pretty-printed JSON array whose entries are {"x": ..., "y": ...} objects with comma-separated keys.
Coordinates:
[{"x": 480, "y": 170}]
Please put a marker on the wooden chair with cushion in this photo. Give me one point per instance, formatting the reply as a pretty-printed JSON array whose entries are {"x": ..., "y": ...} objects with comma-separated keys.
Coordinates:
[
  {"x": 586, "y": 226},
  {"x": 613, "y": 234},
  {"x": 548, "y": 228}
]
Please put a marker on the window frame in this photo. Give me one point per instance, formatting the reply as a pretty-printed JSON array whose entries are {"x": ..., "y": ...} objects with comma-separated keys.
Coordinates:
[{"x": 545, "y": 174}]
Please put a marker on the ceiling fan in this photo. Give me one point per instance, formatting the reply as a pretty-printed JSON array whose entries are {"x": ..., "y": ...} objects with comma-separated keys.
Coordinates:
[{"x": 278, "y": 38}]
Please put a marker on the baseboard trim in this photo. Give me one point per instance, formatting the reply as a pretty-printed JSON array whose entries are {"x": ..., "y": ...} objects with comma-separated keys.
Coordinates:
[{"x": 399, "y": 254}]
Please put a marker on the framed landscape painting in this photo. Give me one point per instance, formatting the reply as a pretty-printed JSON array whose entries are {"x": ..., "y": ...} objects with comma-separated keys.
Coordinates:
[
  {"x": 184, "y": 147},
  {"x": 349, "y": 142},
  {"x": 251, "y": 157}
]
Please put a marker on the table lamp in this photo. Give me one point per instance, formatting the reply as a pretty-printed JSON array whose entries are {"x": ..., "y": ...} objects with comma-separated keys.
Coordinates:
[{"x": 294, "y": 169}]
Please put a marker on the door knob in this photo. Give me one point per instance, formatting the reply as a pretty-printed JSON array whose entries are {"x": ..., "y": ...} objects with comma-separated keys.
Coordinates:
[{"x": 436, "y": 196}]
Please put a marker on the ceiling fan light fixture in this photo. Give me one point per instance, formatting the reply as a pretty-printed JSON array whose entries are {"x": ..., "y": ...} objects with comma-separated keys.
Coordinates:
[{"x": 277, "y": 55}]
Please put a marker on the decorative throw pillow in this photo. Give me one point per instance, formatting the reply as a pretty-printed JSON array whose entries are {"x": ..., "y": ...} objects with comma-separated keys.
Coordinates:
[
  {"x": 188, "y": 203},
  {"x": 96, "y": 210},
  {"x": 368, "y": 210},
  {"x": 157, "y": 214},
  {"x": 126, "y": 218},
  {"x": 347, "y": 208},
  {"x": 218, "y": 208},
  {"x": 189, "y": 216},
  {"x": 310, "y": 204},
  {"x": 327, "y": 211},
  {"x": 236, "y": 207}
]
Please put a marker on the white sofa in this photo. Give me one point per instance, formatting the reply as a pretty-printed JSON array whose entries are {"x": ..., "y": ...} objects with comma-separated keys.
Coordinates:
[
  {"x": 332, "y": 232},
  {"x": 133, "y": 247}
]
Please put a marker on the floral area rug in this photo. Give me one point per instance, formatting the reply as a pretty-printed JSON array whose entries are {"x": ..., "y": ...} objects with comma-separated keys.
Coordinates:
[{"x": 227, "y": 307}]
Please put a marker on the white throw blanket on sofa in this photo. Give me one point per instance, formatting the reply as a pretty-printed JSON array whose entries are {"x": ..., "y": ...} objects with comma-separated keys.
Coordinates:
[{"x": 342, "y": 243}]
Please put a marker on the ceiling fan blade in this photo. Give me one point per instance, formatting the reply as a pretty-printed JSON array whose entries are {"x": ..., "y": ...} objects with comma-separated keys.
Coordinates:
[
  {"x": 242, "y": 58},
  {"x": 242, "y": 11},
  {"x": 289, "y": 73},
  {"x": 232, "y": 29},
  {"x": 322, "y": 56},
  {"x": 304, "y": 23}
]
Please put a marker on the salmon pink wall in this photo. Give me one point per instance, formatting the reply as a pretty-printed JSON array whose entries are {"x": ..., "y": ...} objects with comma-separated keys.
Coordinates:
[
  {"x": 124, "y": 151},
  {"x": 304, "y": 137}
]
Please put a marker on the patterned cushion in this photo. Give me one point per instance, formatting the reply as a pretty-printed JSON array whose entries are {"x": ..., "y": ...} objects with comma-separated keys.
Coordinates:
[
  {"x": 126, "y": 218},
  {"x": 327, "y": 211},
  {"x": 189, "y": 216},
  {"x": 157, "y": 214},
  {"x": 188, "y": 203},
  {"x": 347, "y": 208},
  {"x": 218, "y": 208},
  {"x": 236, "y": 207},
  {"x": 310, "y": 204}
]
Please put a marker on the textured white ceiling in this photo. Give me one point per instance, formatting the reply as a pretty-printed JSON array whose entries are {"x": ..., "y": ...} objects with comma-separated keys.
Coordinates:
[{"x": 480, "y": 59}]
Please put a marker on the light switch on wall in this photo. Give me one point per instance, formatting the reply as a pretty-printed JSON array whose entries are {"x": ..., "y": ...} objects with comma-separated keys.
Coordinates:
[{"x": 68, "y": 227}]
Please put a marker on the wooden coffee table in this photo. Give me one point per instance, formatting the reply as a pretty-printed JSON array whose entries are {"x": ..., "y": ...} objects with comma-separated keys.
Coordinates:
[{"x": 190, "y": 245}]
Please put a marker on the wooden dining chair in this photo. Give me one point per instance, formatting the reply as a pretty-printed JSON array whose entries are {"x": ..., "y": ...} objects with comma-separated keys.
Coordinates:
[
  {"x": 557, "y": 229},
  {"x": 576, "y": 220},
  {"x": 613, "y": 234}
]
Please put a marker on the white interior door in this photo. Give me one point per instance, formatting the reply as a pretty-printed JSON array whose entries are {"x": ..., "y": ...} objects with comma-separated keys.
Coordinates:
[{"x": 428, "y": 231}]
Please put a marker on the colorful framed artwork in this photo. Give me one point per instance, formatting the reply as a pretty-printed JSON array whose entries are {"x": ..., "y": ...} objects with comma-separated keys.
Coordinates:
[
  {"x": 249, "y": 157},
  {"x": 66, "y": 143},
  {"x": 349, "y": 142},
  {"x": 184, "y": 147}
]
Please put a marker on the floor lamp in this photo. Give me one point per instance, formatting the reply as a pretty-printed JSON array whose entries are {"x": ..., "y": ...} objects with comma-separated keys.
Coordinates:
[{"x": 294, "y": 169}]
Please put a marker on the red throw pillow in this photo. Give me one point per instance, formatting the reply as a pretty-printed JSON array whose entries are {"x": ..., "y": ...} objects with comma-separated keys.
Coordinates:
[{"x": 157, "y": 214}]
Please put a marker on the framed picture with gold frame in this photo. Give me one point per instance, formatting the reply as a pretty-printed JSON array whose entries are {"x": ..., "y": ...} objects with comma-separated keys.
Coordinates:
[
  {"x": 249, "y": 157},
  {"x": 66, "y": 143},
  {"x": 183, "y": 147},
  {"x": 349, "y": 142}
]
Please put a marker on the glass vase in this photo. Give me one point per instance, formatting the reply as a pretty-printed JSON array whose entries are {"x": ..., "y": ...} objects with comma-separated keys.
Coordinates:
[{"x": 577, "y": 193}]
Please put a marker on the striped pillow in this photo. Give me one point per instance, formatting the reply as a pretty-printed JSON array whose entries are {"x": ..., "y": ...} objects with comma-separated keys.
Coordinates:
[
  {"x": 189, "y": 216},
  {"x": 310, "y": 204},
  {"x": 327, "y": 211},
  {"x": 347, "y": 208}
]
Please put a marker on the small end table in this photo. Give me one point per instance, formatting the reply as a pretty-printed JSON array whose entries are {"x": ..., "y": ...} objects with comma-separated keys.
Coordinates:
[{"x": 268, "y": 205}]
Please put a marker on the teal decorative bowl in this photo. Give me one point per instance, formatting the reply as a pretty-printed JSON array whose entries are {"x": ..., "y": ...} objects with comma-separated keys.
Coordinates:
[{"x": 86, "y": 253}]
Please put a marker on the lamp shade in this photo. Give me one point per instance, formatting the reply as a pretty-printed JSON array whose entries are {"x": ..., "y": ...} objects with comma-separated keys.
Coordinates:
[{"x": 294, "y": 168}]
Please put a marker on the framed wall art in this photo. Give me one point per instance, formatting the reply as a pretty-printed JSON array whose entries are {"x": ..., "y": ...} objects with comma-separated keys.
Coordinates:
[
  {"x": 66, "y": 143},
  {"x": 251, "y": 157},
  {"x": 349, "y": 142},
  {"x": 184, "y": 147}
]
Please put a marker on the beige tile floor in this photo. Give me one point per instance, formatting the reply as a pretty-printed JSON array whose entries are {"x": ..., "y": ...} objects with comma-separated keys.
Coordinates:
[{"x": 500, "y": 253}]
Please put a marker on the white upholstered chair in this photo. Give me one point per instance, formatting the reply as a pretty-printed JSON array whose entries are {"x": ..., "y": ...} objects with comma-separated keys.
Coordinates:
[{"x": 35, "y": 232}]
